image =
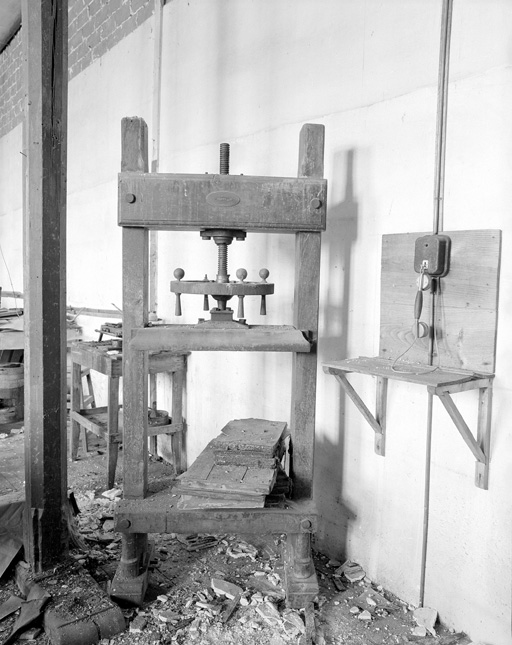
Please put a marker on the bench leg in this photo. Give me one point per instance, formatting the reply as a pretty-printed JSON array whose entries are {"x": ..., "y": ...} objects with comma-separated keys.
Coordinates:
[
  {"x": 112, "y": 430},
  {"x": 178, "y": 383},
  {"x": 76, "y": 389}
]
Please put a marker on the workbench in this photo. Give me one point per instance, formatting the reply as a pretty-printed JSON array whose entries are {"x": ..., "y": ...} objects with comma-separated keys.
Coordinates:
[{"x": 104, "y": 358}]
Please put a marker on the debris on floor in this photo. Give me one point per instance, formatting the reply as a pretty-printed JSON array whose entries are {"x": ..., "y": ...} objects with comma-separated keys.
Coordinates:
[{"x": 229, "y": 592}]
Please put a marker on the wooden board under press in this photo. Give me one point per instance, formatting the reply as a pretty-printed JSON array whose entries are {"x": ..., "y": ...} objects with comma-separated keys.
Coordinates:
[
  {"x": 206, "y": 475},
  {"x": 255, "y": 435}
]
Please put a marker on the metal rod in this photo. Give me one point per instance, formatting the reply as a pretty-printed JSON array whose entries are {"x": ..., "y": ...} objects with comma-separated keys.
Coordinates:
[
  {"x": 442, "y": 112},
  {"x": 155, "y": 156},
  {"x": 438, "y": 224},
  {"x": 426, "y": 499}
]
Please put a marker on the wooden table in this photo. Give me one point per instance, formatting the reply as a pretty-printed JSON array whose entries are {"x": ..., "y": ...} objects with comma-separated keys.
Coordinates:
[
  {"x": 102, "y": 357},
  {"x": 12, "y": 343}
]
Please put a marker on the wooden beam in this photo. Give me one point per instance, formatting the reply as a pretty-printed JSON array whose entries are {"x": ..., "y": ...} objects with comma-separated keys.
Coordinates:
[
  {"x": 191, "y": 202},
  {"x": 45, "y": 128},
  {"x": 135, "y": 315},
  {"x": 307, "y": 271},
  {"x": 183, "y": 338}
]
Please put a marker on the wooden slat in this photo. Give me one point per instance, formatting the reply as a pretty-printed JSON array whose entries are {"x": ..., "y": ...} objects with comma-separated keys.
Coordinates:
[
  {"x": 45, "y": 128},
  {"x": 190, "y": 202},
  {"x": 257, "y": 338},
  {"x": 466, "y": 309},
  {"x": 306, "y": 299}
]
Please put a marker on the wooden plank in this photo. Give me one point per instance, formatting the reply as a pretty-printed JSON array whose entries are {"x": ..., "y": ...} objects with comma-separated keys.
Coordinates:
[
  {"x": 467, "y": 305},
  {"x": 45, "y": 161},
  {"x": 158, "y": 514},
  {"x": 255, "y": 435},
  {"x": 205, "y": 475},
  {"x": 411, "y": 373},
  {"x": 306, "y": 301},
  {"x": 191, "y": 202},
  {"x": 256, "y": 338},
  {"x": 135, "y": 315}
]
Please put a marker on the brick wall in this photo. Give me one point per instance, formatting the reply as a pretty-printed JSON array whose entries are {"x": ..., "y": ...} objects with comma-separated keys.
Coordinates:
[
  {"x": 95, "y": 26},
  {"x": 11, "y": 85}
]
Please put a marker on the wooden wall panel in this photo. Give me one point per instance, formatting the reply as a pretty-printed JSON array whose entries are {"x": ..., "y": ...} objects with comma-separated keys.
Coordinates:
[{"x": 466, "y": 307}]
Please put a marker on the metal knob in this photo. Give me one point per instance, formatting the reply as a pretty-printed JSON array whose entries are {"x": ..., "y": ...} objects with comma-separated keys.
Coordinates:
[
  {"x": 178, "y": 274},
  {"x": 264, "y": 273}
]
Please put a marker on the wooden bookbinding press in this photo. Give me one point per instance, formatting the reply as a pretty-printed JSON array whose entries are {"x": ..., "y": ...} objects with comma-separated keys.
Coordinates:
[{"x": 256, "y": 476}]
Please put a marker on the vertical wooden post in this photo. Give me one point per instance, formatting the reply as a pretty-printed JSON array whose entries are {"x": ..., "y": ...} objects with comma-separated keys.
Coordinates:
[
  {"x": 307, "y": 270},
  {"x": 135, "y": 314},
  {"x": 484, "y": 435},
  {"x": 45, "y": 127},
  {"x": 134, "y": 133},
  {"x": 177, "y": 439},
  {"x": 380, "y": 415}
]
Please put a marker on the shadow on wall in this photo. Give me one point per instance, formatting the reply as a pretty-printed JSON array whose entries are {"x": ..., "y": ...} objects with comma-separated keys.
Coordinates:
[{"x": 342, "y": 224}]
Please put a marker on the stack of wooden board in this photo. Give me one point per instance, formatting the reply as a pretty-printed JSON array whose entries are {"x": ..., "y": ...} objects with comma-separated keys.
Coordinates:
[{"x": 237, "y": 469}]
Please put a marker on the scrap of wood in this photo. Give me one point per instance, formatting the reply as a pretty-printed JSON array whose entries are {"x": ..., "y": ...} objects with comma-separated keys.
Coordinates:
[
  {"x": 10, "y": 546},
  {"x": 31, "y": 610},
  {"x": 12, "y": 604},
  {"x": 230, "y": 608}
]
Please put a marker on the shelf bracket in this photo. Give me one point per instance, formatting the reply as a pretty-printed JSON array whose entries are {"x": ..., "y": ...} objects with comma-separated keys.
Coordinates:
[
  {"x": 441, "y": 384},
  {"x": 480, "y": 447},
  {"x": 377, "y": 422}
]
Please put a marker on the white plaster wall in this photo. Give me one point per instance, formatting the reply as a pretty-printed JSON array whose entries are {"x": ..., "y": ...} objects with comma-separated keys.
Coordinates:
[
  {"x": 251, "y": 73},
  {"x": 11, "y": 215}
]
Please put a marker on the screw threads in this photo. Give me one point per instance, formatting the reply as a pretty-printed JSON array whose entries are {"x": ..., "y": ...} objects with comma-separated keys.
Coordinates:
[
  {"x": 222, "y": 266},
  {"x": 224, "y": 158}
]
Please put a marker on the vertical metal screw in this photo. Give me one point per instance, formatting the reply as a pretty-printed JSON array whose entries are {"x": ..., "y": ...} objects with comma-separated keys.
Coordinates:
[{"x": 224, "y": 158}]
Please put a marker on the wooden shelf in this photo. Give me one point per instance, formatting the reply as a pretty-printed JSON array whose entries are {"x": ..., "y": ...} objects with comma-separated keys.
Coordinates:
[
  {"x": 410, "y": 372},
  {"x": 438, "y": 381}
]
